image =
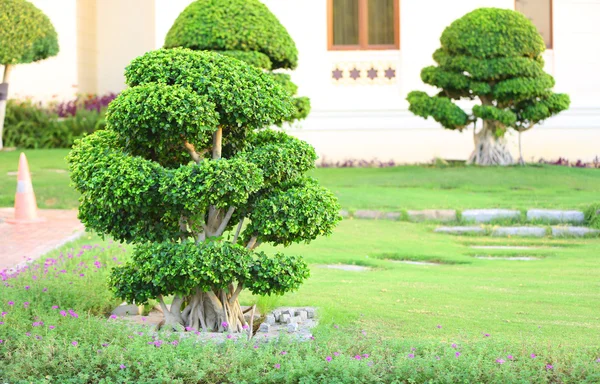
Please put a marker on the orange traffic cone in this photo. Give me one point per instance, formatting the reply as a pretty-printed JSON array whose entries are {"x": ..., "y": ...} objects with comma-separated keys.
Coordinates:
[{"x": 25, "y": 204}]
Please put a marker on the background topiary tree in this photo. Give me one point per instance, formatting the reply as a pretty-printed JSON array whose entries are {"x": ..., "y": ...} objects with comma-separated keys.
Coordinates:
[
  {"x": 245, "y": 30},
  {"x": 180, "y": 167},
  {"x": 494, "y": 56},
  {"x": 26, "y": 35}
]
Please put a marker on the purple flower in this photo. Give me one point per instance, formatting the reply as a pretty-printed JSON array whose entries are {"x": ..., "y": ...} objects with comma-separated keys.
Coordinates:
[
  {"x": 245, "y": 326},
  {"x": 224, "y": 324},
  {"x": 277, "y": 366},
  {"x": 106, "y": 344},
  {"x": 4, "y": 314},
  {"x": 175, "y": 342},
  {"x": 51, "y": 327},
  {"x": 26, "y": 304},
  {"x": 457, "y": 354},
  {"x": 510, "y": 357},
  {"x": 81, "y": 275},
  {"x": 113, "y": 317},
  {"x": 55, "y": 307},
  {"x": 38, "y": 337},
  {"x": 486, "y": 335},
  {"x": 533, "y": 355},
  {"x": 11, "y": 303},
  {"x": 549, "y": 366},
  {"x": 143, "y": 319},
  {"x": 283, "y": 353},
  {"x": 122, "y": 366},
  {"x": 27, "y": 333},
  {"x": 357, "y": 357},
  {"x": 27, "y": 287},
  {"x": 366, "y": 356},
  {"x": 437, "y": 358},
  {"x": 74, "y": 343},
  {"x": 36, "y": 324},
  {"x": 336, "y": 326},
  {"x": 328, "y": 358},
  {"x": 63, "y": 313},
  {"x": 229, "y": 336},
  {"x": 45, "y": 290},
  {"x": 598, "y": 360},
  {"x": 439, "y": 326},
  {"x": 1, "y": 341},
  {"x": 411, "y": 355},
  {"x": 500, "y": 361},
  {"x": 413, "y": 349},
  {"x": 336, "y": 353},
  {"x": 140, "y": 333},
  {"x": 364, "y": 333},
  {"x": 256, "y": 347},
  {"x": 454, "y": 345},
  {"x": 188, "y": 329}
]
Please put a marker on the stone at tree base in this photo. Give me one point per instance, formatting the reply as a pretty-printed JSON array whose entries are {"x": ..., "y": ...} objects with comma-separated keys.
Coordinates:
[
  {"x": 392, "y": 216},
  {"x": 310, "y": 312},
  {"x": 461, "y": 230},
  {"x": 292, "y": 327},
  {"x": 264, "y": 327},
  {"x": 277, "y": 315},
  {"x": 303, "y": 315},
  {"x": 487, "y": 215},
  {"x": 295, "y": 320},
  {"x": 366, "y": 214},
  {"x": 433, "y": 214},
  {"x": 556, "y": 215},
  {"x": 270, "y": 319},
  {"x": 520, "y": 231},
  {"x": 285, "y": 318},
  {"x": 573, "y": 231},
  {"x": 126, "y": 310}
]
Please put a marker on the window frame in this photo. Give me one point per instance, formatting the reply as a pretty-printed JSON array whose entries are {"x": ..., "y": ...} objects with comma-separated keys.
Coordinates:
[
  {"x": 363, "y": 31},
  {"x": 551, "y": 46}
]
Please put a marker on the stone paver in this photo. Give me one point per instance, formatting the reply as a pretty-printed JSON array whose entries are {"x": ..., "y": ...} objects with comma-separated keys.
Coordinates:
[
  {"x": 555, "y": 216},
  {"x": 367, "y": 214},
  {"x": 433, "y": 214},
  {"x": 461, "y": 230},
  {"x": 19, "y": 243},
  {"x": 573, "y": 231},
  {"x": 347, "y": 267},
  {"x": 487, "y": 215},
  {"x": 520, "y": 231}
]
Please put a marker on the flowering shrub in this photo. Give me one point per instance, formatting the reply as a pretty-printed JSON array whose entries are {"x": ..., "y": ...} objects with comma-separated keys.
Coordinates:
[{"x": 88, "y": 102}]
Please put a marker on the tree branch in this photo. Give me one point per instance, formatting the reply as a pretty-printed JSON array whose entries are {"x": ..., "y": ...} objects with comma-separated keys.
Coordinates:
[
  {"x": 252, "y": 242},
  {"x": 192, "y": 151},
  {"x": 163, "y": 306},
  {"x": 225, "y": 221},
  {"x": 237, "y": 292},
  {"x": 238, "y": 230},
  {"x": 7, "y": 70},
  {"x": 217, "y": 143}
]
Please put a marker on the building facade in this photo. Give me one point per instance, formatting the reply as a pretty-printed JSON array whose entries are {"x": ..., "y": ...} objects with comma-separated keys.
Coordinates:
[{"x": 358, "y": 61}]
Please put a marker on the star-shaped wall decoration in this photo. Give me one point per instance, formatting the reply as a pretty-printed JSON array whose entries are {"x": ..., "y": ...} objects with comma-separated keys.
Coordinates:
[
  {"x": 372, "y": 73},
  {"x": 337, "y": 74},
  {"x": 390, "y": 73},
  {"x": 354, "y": 74}
]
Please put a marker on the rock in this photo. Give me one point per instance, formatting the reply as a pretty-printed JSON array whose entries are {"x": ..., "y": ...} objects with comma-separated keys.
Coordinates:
[
  {"x": 264, "y": 327},
  {"x": 487, "y": 215},
  {"x": 295, "y": 320},
  {"x": 346, "y": 267},
  {"x": 433, "y": 215},
  {"x": 285, "y": 318},
  {"x": 573, "y": 231},
  {"x": 345, "y": 214},
  {"x": 303, "y": 315},
  {"x": 461, "y": 230},
  {"x": 292, "y": 327},
  {"x": 270, "y": 319},
  {"x": 370, "y": 215},
  {"x": 277, "y": 315},
  {"x": 310, "y": 312},
  {"x": 392, "y": 216},
  {"x": 520, "y": 231},
  {"x": 126, "y": 310},
  {"x": 297, "y": 311},
  {"x": 555, "y": 216}
]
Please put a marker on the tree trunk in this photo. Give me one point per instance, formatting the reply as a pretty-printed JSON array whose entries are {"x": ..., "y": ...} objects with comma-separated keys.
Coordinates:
[
  {"x": 5, "y": 78},
  {"x": 490, "y": 149}
]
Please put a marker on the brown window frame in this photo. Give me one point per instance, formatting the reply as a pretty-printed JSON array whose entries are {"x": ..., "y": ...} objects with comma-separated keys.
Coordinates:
[
  {"x": 551, "y": 46},
  {"x": 363, "y": 32}
]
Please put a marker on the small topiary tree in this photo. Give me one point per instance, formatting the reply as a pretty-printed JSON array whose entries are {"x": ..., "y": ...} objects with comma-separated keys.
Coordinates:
[
  {"x": 26, "y": 35},
  {"x": 180, "y": 167},
  {"x": 245, "y": 30},
  {"x": 493, "y": 55}
]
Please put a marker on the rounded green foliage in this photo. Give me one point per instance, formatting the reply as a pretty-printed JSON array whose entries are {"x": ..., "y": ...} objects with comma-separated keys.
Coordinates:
[
  {"x": 538, "y": 110},
  {"x": 158, "y": 119},
  {"x": 456, "y": 84},
  {"x": 592, "y": 216},
  {"x": 489, "y": 112},
  {"x": 119, "y": 193},
  {"x": 299, "y": 211},
  {"x": 523, "y": 88},
  {"x": 244, "y": 96},
  {"x": 281, "y": 157},
  {"x": 233, "y": 25},
  {"x": 253, "y": 58},
  {"x": 277, "y": 274},
  {"x": 222, "y": 183},
  {"x": 26, "y": 33},
  {"x": 493, "y": 32},
  {"x": 302, "y": 105},
  {"x": 442, "y": 109}
]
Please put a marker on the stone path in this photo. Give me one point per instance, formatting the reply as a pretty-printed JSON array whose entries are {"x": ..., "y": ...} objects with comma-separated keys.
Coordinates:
[
  {"x": 532, "y": 231},
  {"x": 19, "y": 243}
]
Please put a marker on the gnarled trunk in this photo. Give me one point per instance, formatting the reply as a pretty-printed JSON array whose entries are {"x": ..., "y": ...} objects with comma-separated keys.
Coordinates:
[
  {"x": 489, "y": 148},
  {"x": 3, "y": 100}
]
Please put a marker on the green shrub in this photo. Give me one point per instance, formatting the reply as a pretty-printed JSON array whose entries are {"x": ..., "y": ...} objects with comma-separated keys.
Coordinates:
[{"x": 592, "y": 216}]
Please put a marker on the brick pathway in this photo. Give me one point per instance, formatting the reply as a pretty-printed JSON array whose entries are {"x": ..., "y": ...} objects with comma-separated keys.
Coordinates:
[{"x": 18, "y": 243}]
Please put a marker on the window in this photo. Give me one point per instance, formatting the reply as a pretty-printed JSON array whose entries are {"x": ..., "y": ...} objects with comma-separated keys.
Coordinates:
[
  {"x": 540, "y": 13},
  {"x": 364, "y": 24}
]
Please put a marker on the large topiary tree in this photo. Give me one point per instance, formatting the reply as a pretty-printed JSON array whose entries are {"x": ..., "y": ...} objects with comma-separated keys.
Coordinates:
[
  {"x": 245, "y": 30},
  {"x": 185, "y": 172},
  {"x": 494, "y": 56},
  {"x": 26, "y": 35}
]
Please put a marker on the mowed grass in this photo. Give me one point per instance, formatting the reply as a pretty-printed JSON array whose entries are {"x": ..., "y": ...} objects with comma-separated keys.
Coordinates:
[{"x": 390, "y": 189}]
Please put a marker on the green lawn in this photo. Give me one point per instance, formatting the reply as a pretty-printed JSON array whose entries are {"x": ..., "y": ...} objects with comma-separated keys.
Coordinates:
[{"x": 398, "y": 188}]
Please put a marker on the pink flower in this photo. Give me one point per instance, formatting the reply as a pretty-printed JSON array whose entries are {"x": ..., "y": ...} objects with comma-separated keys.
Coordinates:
[
  {"x": 439, "y": 326},
  {"x": 63, "y": 313},
  {"x": 51, "y": 327},
  {"x": 27, "y": 287},
  {"x": 510, "y": 357},
  {"x": 454, "y": 345},
  {"x": 143, "y": 319},
  {"x": 245, "y": 326},
  {"x": 229, "y": 336},
  {"x": 26, "y": 304},
  {"x": 122, "y": 366},
  {"x": 549, "y": 366},
  {"x": 175, "y": 342},
  {"x": 74, "y": 343},
  {"x": 224, "y": 324},
  {"x": 336, "y": 353},
  {"x": 533, "y": 355},
  {"x": 27, "y": 333},
  {"x": 598, "y": 360},
  {"x": 45, "y": 290},
  {"x": 336, "y": 326},
  {"x": 486, "y": 335},
  {"x": 357, "y": 357},
  {"x": 283, "y": 353},
  {"x": 256, "y": 347},
  {"x": 11, "y": 303},
  {"x": 277, "y": 366},
  {"x": 366, "y": 355},
  {"x": 457, "y": 354},
  {"x": 500, "y": 361},
  {"x": 38, "y": 337},
  {"x": 411, "y": 355},
  {"x": 4, "y": 314},
  {"x": 113, "y": 317},
  {"x": 55, "y": 307},
  {"x": 328, "y": 358}
]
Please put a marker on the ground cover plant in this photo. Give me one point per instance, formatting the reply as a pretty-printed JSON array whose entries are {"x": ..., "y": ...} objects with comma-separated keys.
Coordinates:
[
  {"x": 492, "y": 55},
  {"x": 181, "y": 165},
  {"x": 387, "y": 189},
  {"x": 471, "y": 322},
  {"x": 26, "y": 36}
]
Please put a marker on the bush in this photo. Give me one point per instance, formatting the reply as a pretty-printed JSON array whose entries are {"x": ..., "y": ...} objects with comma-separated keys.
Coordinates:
[
  {"x": 592, "y": 216},
  {"x": 30, "y": 125}
]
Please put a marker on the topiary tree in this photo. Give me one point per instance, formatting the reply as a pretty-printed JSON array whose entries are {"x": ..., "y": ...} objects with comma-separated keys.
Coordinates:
[
  {"x": 494, "y": 56},
  {"x": 26, "y": 35},
  {"x": 245, "y": 30},
  {"x": 182, "y": 164}
]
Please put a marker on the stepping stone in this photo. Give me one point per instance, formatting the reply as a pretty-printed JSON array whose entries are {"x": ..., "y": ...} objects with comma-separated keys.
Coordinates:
[
  {"x": 520, "y": 247},
  {"x": 392, "y": 216},
  {"x": 487, "y": 215},
  {"x": 345, "y": 214},
  {"x": 520, "y": 231},
  {"x": 347, "y": 267},
  {"x": 573, "y": 231},
  {"x": 433, "y": 214},
  {"x": 555, "y": 215},
  {"x": 415, "y": 262},
  {"x": 460, "y": 230},
  {"x": 126, "y": 310},
  {"x": 516, "y": 258},
  {"x": 366, "y": 214}
]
